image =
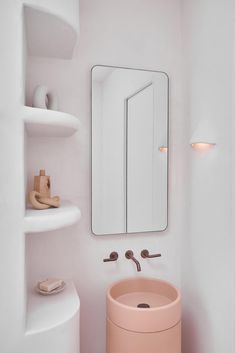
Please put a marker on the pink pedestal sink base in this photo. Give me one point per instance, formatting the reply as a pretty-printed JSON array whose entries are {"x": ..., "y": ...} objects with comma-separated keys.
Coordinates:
[{"x": 120, "y": 340}]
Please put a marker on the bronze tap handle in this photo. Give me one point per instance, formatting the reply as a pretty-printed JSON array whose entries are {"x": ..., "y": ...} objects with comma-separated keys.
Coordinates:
[
  {"x": 130, "y": 256},
  {"x": 145, "y": 254},
  {"x": 112, "y": 257}
]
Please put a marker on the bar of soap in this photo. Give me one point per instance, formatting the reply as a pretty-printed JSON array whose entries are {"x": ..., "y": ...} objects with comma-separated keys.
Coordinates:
[{"x": 50, "y": 284}]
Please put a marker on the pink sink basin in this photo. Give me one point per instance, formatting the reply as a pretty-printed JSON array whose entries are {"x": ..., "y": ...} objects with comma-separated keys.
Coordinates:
[{"x": 143, "y": 304}]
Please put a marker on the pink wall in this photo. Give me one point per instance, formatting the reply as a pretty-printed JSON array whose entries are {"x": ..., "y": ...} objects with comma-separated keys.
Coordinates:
[{"x": 141, "y": 34}]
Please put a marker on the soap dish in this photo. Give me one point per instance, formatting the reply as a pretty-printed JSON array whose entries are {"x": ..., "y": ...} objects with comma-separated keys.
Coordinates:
[{"x": 54, "y": 291}]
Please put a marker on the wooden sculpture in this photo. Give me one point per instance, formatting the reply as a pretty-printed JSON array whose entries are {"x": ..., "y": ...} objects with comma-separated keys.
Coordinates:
[
  {"x": 42, "y": 184},
  {"x": 40, "y": 198}
]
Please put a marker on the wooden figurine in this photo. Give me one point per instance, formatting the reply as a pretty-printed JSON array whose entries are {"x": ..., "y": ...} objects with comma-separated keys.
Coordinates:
[
  {"x": 42, "y": 203},
  {"x": 40, "y": 198},
  {"x": 42, "y": 184},
  {"x": 34, "y": 200}
]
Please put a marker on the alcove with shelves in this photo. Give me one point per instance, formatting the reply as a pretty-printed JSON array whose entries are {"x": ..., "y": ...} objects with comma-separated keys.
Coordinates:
[{"x": 46, "y": 132}]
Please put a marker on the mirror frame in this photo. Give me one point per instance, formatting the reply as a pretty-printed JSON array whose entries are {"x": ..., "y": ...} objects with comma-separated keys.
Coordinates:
[{"x": 168, "y": 147}]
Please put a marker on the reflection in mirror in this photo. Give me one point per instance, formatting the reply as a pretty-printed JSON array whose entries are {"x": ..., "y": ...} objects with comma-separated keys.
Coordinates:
[{"x": 129, "y": 167}]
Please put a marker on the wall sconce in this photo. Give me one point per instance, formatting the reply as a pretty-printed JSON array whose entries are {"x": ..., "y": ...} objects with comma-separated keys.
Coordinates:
[
  {"x": 202, "y": 146},
  {"x": 203, "y": 136},
  {"x": 163, "y": 149}
]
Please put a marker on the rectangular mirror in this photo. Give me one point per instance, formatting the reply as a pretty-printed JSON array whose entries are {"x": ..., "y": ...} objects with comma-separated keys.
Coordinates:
[{"x": 129, "y": 150}]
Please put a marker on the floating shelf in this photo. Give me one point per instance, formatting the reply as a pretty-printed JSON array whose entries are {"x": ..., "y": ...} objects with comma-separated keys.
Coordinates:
[
  {"x": 47, "y": 312},
  {"x": 36, "y": 221},
  {"x": 58, "y": 35},
  {"x": 49, "y": 123}
]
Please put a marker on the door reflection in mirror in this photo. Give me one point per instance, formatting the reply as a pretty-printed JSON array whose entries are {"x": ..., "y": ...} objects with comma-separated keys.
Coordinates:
[{"x": 129, "y": 172}]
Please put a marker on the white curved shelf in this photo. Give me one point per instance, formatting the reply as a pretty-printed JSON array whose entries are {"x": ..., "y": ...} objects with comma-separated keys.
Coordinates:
[
  {"x": 47, "y": 312},
  {"x": 58, "y": 35},
  {"x": 49, "y": 123},
  {"x": 36, "y": 221}
]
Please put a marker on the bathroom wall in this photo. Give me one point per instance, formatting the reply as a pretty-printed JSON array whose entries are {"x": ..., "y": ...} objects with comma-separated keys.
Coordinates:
[
  {"x": 65, "y": 10},
  {"x": 140, "y": 34},
  {"x": 11, "y": 178},
  {"x": 12, "y": 208},
  {"x": 208, "y": 247}
]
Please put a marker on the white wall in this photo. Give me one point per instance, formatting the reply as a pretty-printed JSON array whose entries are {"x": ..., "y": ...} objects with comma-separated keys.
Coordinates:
[
  {"x": 141, "y": 34},
  {"x": 208, "y": 247},
  {"x": 12, "y": 207},
  {"x": 11, "y": 178},
  {"x": 68, "y": 11}
]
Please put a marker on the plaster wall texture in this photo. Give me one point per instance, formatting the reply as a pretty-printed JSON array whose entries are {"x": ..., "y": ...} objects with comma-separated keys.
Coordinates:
[
  {"x": 12, "y": 206},
  {"x": 208, "y": 247},
  {"x": 68, "y": 10},
  {"x": 12, "y": 301},
  {"x": 138, "y": 34},
  {"x": 141, "y": 34}
]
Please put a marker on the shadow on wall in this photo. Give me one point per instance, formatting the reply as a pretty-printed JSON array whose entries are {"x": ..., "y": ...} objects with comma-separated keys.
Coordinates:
[{"x": 192, "y": 330}]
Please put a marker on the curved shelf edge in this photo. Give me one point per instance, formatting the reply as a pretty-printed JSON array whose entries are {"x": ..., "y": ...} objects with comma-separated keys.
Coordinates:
[
  {"x": 55, "y": 39},
  {"x": 37, "y": 221},
  {"x": 49, "y": 123},
  {"x": 47, "y": 312}
]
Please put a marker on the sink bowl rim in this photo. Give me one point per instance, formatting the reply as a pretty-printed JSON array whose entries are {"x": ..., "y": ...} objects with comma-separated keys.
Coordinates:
[{"x": 160, "y": 308}]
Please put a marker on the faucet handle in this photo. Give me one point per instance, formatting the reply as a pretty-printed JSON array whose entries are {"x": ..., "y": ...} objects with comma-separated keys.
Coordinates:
[
  {"x": 145, "y": 254},
  {"x": 129, "y": 254},
  {"x": 112, "y": 257}
]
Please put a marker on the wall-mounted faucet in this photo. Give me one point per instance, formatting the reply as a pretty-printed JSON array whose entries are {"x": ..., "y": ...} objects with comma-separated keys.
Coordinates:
[
  {"x": 145, "y": 254},
  {"x": 130, "y": 256},
  {"x": 112, "y": 257}
]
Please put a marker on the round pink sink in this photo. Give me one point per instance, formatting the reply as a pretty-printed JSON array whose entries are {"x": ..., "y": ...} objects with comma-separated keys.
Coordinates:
[{"x": 143, "y": 304}]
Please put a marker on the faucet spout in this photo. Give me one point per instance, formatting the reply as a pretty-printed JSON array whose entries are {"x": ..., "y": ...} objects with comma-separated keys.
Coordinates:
[{"x": 130, "y": 256}]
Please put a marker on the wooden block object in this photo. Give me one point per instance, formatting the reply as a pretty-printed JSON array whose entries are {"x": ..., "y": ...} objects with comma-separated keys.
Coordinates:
[
  {"x": 42, "y": 203},
  {"x": 52, "y": 201},
  {"x": 42, "y": 184},
  {"x": 33, "y": 199}
]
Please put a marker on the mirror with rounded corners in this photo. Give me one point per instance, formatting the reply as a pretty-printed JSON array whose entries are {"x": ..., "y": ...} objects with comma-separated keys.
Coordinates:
[{"x": 129, "y": 150}]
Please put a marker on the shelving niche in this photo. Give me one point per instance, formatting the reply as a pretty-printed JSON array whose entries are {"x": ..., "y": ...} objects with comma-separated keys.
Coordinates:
[
  {"x": 46, "y": 317},
  {"x": 46, "y": 313},
  {"x": 58, "y": 35},
  {"x": 42, "y": 123},
  {"x": 37, "y": 221},
  {"x": 52, "y": 319}
]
